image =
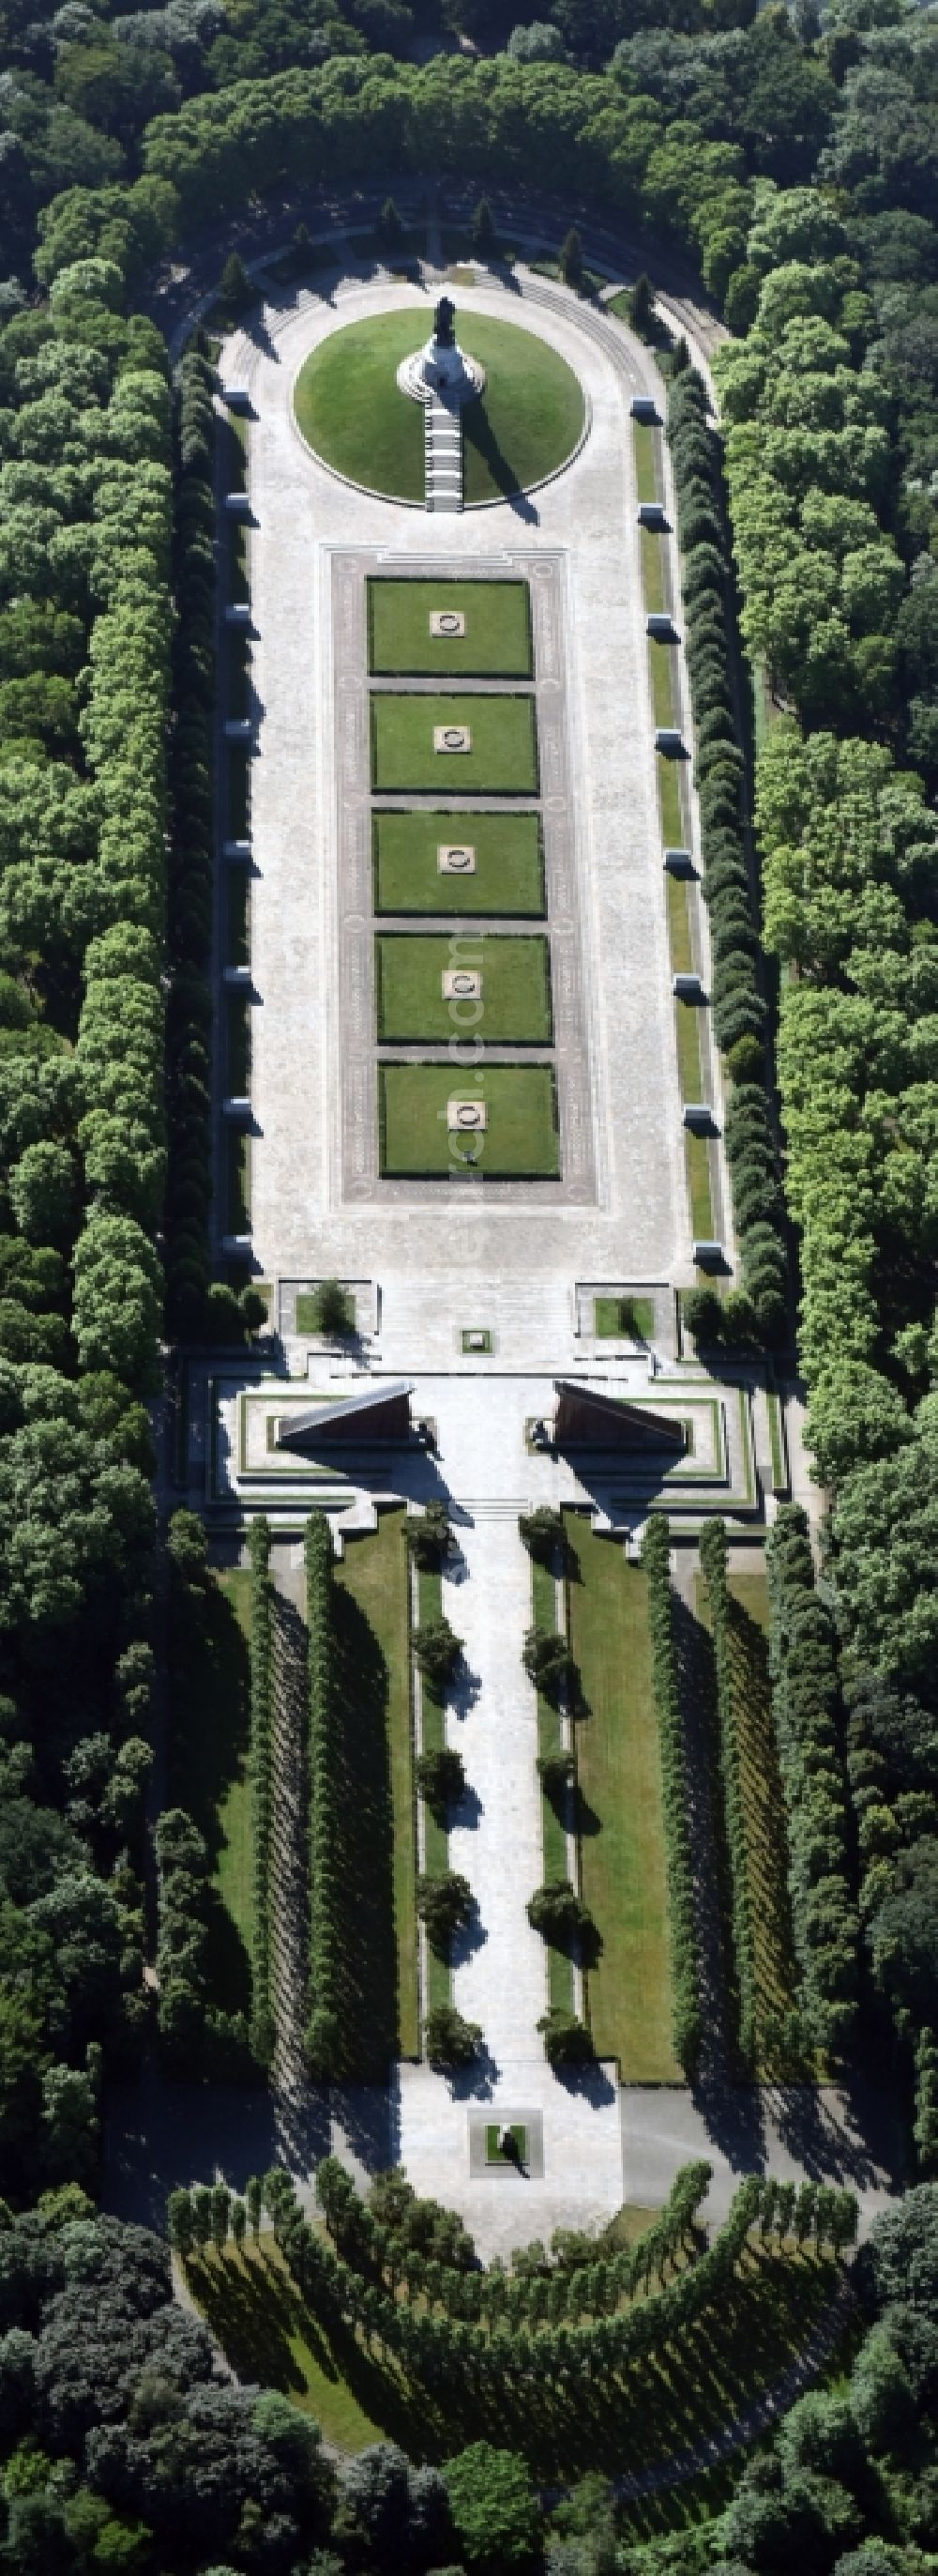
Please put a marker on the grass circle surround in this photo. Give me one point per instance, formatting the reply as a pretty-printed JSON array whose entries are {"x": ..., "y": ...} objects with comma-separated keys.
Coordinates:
[{"x": 528, "y": 423}]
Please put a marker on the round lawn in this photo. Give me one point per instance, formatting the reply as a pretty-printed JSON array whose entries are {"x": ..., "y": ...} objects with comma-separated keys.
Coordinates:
[{"x": 349, "y": 409}]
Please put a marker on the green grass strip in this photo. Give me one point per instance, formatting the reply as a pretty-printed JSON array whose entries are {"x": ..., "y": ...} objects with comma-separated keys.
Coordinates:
[
  {"x": 372, "y": 1590},
  {"x": 670, "y": 803},
  {"x": 687, "y": 1024},
  {"x": 652, "y": 544},
  {"x": 682, "y": 1912},
  {"x": 645, "y": 451},
  {"x": 661, "y": 667},
  {"x": 697, "y": 1162}
]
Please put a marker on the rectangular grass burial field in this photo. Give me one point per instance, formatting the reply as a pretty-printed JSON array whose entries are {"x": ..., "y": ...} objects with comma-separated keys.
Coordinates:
[
  {"x": 624, "y": 1871},
  {"x": 506, "y": 996},
  {"x": 519, "y": 1142},
  {"x": 501, "y": 760},
  {"x": 486, "y": 628},
  {"x": 507, "y": 874}
]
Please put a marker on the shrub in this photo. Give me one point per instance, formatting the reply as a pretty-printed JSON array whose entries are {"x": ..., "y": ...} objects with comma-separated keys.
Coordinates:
[
  {"x": 331, "y": 1303},
  {"x": 548, "y": 1661},
  {"x": 556, "y": 1910},
  {"x": 543, "y": 1534},
  {"x": 429, "y": 1536},
  {"x": 567, "y": 2041},
  {"x": 802, "y": 1663},
  {"x": 448, "y": 2039},
  {"x": 440, "y": 1777},
  {"x": 436, "y": 1647},
  {"x": 713, "y": 1567},
  {"x": 557, "y": 1772},
  {"x": 445, "y": 1906}
]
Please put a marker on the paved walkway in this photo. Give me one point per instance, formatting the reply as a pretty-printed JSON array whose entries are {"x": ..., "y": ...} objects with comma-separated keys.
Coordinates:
[{"x": 496, "y": 1841}]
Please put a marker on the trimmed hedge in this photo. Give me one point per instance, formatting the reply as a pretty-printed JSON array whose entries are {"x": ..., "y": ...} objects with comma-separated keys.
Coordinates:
[
  {"x": 737, "y": 1003},
  {"x": 682, "y": 1910},
  {"x": 713, "y": 1565},
  {"x": 189, "y": 1011},
  {"x": 803, "y": 1667},
  {"x": 263, "y": 2031}
]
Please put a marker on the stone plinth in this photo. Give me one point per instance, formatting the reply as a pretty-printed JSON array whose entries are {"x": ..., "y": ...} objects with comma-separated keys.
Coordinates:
[{"x": 441, "y": 373}]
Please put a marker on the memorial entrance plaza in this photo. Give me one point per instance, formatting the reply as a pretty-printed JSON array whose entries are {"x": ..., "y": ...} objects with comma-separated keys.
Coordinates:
[{"x": 473, "y": 1116}]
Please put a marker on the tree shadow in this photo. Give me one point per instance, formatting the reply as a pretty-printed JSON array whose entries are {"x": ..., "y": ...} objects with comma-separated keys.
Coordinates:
[{"x": 207, "y": 1755}]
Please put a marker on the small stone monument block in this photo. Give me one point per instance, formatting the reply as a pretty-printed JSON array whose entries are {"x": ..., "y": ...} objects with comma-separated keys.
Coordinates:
[
  {"x": 466, "y": 1116},
  {"x": 452, "y": 738},
  {"x": 462, "y": 984},
  {"x": 446, "y": 622},
  {"x": 456, "y": 858}
]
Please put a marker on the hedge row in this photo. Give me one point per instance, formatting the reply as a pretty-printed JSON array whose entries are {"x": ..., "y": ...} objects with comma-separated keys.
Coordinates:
[
  {"x": 803, "y": 1667},
  {"x": 263, "y": 2032},
  {"x": 738, "y": 1006},
  {"x": 541, "y": 2295},
  {"x": 682, "y": 1910},
  {"x": 195, "y": 2036},
  {"x": 925, "y": 2131},
  {"x": 189, "y": 1017},
  {"x": 443, "y": 2348},
  {"x": 713, "y": 1563},
  {"x": 324, "y": 2026}
]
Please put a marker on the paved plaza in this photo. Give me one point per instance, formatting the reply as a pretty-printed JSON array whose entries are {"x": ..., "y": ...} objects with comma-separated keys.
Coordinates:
[{"x": 436, "y": 1263}]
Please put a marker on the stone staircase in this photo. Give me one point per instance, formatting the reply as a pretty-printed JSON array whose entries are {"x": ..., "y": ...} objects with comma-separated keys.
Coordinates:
[{"x": 442, "y": 450}]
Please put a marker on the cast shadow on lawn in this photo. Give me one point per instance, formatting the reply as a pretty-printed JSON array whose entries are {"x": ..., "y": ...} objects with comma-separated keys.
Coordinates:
[
  {"x": 478, "y": 433},
  {"x": 208, "y": 1750},
  {"x": 365, "y": 1839}
]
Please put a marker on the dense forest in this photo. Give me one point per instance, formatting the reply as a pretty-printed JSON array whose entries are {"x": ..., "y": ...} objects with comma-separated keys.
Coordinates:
[{"x": 789, "y": 163}]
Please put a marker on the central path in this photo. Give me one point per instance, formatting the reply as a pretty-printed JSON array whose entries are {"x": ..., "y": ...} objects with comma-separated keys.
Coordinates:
[{"x": 502, "y": 1983}]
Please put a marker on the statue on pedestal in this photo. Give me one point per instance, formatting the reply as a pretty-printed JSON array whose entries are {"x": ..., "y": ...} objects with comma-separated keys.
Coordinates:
[{"x": 441, "y": 371}]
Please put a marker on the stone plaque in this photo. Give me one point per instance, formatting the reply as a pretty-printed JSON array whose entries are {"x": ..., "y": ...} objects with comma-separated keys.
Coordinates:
[
  {"x": 467, "y": 1116},
  {"x": 455, "y": 858},
  {"x": 447, "y": 622},
  {"x": 462, "y": 984},
  {"x": 452, "y": 738}
]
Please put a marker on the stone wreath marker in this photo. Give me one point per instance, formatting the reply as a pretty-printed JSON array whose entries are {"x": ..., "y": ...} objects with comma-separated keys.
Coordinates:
[
  {"x": 456, "y": 858},
  {"x": 452, "y": 738},
  {"x": 446, "y": 622}
]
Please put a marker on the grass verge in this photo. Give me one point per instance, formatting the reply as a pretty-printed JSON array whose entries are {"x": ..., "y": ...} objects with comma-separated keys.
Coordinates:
[
  {"x": 670, "y": 801},
  {"x": 687, "y": 1024},
  {"x": 652, "y": 553},
  {"x": 621, "y": 1823},
  {"x": 644, "y": 448},
  {"x": 661, "y": 666},
  {"x": 697, "y": 1166}
]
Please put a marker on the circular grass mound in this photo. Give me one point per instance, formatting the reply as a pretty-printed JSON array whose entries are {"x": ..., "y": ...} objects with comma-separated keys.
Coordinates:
[{"x": 526, "y": 424}]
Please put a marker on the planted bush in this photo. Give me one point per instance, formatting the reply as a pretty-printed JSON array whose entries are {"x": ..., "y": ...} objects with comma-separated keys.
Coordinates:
[
  {"x": 436, "y": 1647},
  {"x": 543, "y": 1534},
  {"x": 803, "y": 1667},
  {"x": 445, "y": 1906},
  {"x": 440, "y": 1777},
  {"x": 557, "y": 1772},
  {"x": 556, "y": 1910},
  {"x": 548, "y": 1661},
  {"x": 429, "y": 1537},
  {"x": 448, "y": 2039},
  {"x": 567, "y": 2041}
]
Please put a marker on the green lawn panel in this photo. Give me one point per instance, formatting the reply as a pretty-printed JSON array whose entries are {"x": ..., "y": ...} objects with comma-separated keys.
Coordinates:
[
  {"x": 622, "y": 1826},
  {"x": 501, "y": 762},
  {"x": 687, "y": 1022},
  {"x": 524, "y": 427},
  {"x": 349, "y": 409},
  {"x": 682, "y": 957},
  {"x": 521, "y": 1141},
  {"x": 372, "y": 1581},
  {"x": 530, "y": 417},
  {"x": 615, "y": 1316},
  {"x": 208, "y": 1745},
  {"x": 508, "y": 877},
  {"x": 697, "y": 1153},
  {"x": 661, "y": 666},
  {"x": 514, "y": 1005},
  {"x": 496, "y": 644}
]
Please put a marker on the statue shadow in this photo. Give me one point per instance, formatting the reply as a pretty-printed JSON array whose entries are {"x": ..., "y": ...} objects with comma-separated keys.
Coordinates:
[{"x": 478, "y": 433}]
